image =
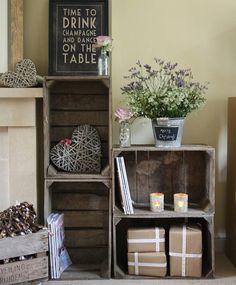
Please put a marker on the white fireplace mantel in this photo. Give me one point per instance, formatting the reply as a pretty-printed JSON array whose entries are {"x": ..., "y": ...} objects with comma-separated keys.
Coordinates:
[{"x": 18, "y": 177}]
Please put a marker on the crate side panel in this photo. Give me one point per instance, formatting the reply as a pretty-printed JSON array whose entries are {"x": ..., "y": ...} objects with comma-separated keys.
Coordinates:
[
  {"x": 23, "y": 271},
  {"x": 23, "y": 245}
]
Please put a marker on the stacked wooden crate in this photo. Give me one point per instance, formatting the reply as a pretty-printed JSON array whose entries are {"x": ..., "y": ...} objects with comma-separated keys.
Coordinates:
[
  {"x": 83, "y": 198},
  {"x": 188, "y": 169},
  {"x": 32, "y": 250}
]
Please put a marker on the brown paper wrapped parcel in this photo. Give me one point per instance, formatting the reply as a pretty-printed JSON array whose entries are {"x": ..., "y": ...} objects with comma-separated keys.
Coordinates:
[
  {"x": 146, "y": 240},
  {"x": 147, "y": 263},
  {"x": 185, "y": 251}
]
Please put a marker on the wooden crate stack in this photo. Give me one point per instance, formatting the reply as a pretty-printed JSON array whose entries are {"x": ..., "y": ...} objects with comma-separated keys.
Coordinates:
[
  {"x": 83, "y": 198},
  {"x": 188, "y": 169}
]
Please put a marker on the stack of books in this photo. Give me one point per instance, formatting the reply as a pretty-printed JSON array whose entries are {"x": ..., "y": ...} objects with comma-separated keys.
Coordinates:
[
  {"x": 126, "y": 201},
  {"x": 59, "y": 257}
]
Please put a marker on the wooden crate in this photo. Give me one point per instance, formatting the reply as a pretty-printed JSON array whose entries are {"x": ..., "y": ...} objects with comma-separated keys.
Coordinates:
[
  {"x": 121, "y": 225},
  {"x": 27, "y": 270},
  {"x": 86, "y": 208},
  {"x": 73, "y": 101},
  {"x": 231, "y": 183},
  {"x": 188, "y": 169}
]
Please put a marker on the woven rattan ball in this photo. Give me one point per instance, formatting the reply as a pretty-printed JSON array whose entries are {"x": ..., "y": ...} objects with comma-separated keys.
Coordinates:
[{"x": 81, "y": 154}]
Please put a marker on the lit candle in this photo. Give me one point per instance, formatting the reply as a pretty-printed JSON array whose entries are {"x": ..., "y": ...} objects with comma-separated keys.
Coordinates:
[
  {"x": 181, "y": 202},
  {"x": 157, "y": 202}
]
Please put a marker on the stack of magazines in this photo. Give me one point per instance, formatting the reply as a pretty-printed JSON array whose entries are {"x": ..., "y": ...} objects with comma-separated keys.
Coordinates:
[
  {"x": 59, "y": 257},
  {"x": 126, "y": 201}
]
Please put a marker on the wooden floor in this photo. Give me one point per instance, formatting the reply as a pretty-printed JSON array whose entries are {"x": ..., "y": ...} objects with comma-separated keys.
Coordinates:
[{"x": 225, "y": 275}]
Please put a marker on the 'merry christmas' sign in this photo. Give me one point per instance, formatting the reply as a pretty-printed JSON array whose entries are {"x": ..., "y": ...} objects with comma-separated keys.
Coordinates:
[{"x": 74, "y": 26}]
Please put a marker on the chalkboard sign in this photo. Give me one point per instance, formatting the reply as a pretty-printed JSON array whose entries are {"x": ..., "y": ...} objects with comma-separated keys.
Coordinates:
[
  {"x": 73, "y": 28},
  {"x": 166, "y": 133}
]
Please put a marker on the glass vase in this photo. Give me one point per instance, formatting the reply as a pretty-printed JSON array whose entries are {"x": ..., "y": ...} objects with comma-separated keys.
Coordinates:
[
  {"x": 125, "y": 134},
  {"x": 103, "y": 63}
]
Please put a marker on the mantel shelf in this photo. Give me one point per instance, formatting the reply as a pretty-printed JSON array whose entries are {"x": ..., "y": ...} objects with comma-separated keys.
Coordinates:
[{"x": 18, "y": 93}]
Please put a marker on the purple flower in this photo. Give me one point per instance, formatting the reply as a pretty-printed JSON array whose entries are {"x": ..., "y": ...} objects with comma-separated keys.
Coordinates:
[{"x": 180, "y": 82}]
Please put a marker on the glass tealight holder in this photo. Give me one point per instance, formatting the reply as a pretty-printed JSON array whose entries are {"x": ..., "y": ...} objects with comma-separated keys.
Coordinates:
[
  {"x": 181, "y": 202},
  {"x": 157, "y": 202}
]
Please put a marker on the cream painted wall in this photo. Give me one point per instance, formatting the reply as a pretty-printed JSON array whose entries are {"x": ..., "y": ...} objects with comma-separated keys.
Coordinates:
[{"x": 200, "y": 34}]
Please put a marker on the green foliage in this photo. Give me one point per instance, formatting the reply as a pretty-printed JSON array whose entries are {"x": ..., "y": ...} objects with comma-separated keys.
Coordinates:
[{"x": 162, "y": 92}]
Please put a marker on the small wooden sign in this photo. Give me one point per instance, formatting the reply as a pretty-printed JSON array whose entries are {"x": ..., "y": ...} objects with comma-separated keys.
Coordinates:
[
  {"x": 73, "y": 28},
  {"x": 166, "y": 133}
]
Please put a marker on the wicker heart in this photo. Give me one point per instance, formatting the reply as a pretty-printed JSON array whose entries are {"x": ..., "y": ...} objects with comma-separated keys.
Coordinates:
[
  {"x": 24, "y": 75},
  {"x": 81, "y": 154}
]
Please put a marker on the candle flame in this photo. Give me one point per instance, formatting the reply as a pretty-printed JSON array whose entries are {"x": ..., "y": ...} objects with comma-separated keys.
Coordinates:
[
  {"x": 157, "y": 203},
  {"x": 180, "y": 204}
]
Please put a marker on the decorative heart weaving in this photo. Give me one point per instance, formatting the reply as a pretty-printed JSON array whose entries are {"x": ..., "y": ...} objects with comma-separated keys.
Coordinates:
[
  {"x": 24, "y": 75},
  {"x": 81, "y": 154}
]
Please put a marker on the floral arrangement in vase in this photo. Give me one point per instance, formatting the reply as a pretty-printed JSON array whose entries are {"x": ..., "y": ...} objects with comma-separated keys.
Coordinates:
[
  {"x": 123, "y": 116},
  {"x": 105, "y": 44},
  {"x": 163, "y": 94}
]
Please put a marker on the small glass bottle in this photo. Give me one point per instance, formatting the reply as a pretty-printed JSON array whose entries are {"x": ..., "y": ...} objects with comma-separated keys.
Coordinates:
[
  {"x": 125, "y": 134},
  {"x": 103, "y": 63}
]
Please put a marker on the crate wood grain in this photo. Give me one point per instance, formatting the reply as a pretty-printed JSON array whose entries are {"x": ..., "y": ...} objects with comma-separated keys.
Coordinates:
[
  {"x": 26, "y": 270},
  {"x": 189, "y": 169},
  {"x": 231, "y": 182},
  {"x": 86, "y": 208},
  {"x": 24, "y": 245},
  {"x": 73, "y": 101},
  {"x": 121, "y": 226}
]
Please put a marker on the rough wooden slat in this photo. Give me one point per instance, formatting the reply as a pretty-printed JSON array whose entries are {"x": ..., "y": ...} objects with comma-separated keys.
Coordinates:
[
  {"x": 58, "y": 133},
  {"x": 79, "y": 102},
  {"x": 198, "y": 147},
  {"x": 168, "y": 213},
  {"x": 16, "y": 32},
  {"x": 75, "y": 201},
  {"x": 90, "y": 187},
  {"x": 78, "y": 87},
  {"x": 86, "y": 219},
  {"x": 53, "y": 173},
  {"x": 65, "y": 118},
  {"x": 86, "y": 238},
  {"x": 90, "y": 255},
  {"x": 22, "y": 271},
  {"x": 23, "y": 245}
]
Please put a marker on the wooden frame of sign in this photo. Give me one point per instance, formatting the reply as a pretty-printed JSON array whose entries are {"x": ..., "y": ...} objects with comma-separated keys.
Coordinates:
[
  {"x": 73, "y": 28},
  {"x": 16, "y": 32}
]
